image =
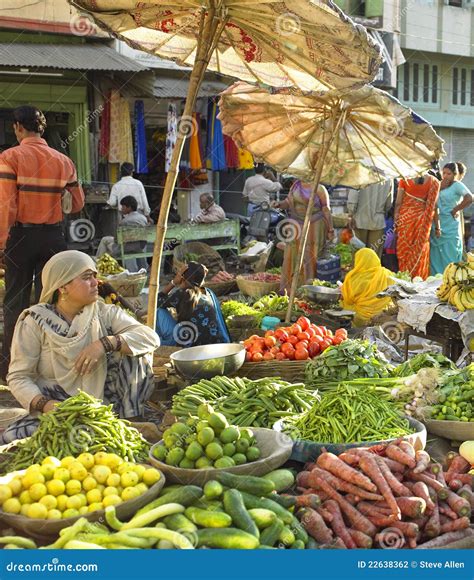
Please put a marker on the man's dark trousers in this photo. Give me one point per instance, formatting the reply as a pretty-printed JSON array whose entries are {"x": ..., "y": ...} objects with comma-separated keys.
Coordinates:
[{"x": 26, "y": 252}]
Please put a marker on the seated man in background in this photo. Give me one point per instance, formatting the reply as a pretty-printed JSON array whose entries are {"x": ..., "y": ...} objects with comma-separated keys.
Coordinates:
[
  {"x": 131, "y": 218},
  {"x": 210, "y": 211}
]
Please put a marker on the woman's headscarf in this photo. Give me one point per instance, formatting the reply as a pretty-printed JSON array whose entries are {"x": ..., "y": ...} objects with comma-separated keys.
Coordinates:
[
  {"x": 61, "y": 269},
  {"x": 195, "y": 274},
  {"x": 84, "y": 329},
  {"x": 363, "y": 283}
]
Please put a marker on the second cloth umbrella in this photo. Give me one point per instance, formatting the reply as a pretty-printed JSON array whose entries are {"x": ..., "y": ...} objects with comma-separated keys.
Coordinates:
[{"x": 352, "y": 139}]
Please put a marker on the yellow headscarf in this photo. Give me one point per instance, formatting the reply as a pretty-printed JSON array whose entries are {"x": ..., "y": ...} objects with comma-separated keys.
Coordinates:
[{"x": 363, "y": 283}]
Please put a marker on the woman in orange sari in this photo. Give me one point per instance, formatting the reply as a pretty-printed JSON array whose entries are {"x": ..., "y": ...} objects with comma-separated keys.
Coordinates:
[{"x": 415, "y": 211}]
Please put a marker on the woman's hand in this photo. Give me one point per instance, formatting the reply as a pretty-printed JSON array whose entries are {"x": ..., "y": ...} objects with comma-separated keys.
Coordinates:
[
  {"x": 50, "y": 406},
  {"x": 455, "y": 213},
  {"x": 89, "y": 358},
  {"x": 330, "y": 235},
  {"x": 438, "y": 232},
  {"x": 179, "y": 275}
]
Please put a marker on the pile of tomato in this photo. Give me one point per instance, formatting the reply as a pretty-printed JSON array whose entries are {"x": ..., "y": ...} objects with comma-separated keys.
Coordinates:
[{"x": 300, "y": 341}]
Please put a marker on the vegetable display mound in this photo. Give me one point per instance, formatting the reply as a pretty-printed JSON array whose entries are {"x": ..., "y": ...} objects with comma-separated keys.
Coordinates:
[
  {"x": 206, "y": 441},
  {"x": 244, "y": 402},
  {"x": 79, "y": 424},
  {"x": 300, "y": 341},
  {"x": 349, "y": 415},
  {"x": 344, "y": 251},
  {"x": 349, "y": 360},
  {"x": 388, "y": 496},
  {"x": 235, "y": 308},
  {"x": 72, "y": 487},
  {"x": 422, "y": 361},
  {"x": 456, "y": 396}
]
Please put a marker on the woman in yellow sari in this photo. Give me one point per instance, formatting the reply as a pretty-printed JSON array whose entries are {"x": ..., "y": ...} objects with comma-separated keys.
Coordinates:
[{"x": 362, "y": 284}]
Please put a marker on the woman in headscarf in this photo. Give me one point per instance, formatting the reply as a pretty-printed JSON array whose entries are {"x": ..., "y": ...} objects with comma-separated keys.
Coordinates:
[
  {"x": 320, "y": 230},
  {"x": 362, "y": 284},
  {"x": 72, "y": 341},
  {"x": 199, "y": 318},
  {"x": 447, "y": 242}
]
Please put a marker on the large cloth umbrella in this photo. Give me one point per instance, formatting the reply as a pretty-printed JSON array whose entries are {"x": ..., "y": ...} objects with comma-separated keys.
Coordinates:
[
  {"x": 308, "y": 44},
  {"x": 353, "y": 138}
]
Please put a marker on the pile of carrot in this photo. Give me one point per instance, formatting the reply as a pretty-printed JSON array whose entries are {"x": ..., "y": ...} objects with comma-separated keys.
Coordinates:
[{"x": 388, "y": 496}]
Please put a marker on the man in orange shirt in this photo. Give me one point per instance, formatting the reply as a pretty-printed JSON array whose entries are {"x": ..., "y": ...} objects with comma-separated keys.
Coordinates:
[{"x": 33, "y": 177}]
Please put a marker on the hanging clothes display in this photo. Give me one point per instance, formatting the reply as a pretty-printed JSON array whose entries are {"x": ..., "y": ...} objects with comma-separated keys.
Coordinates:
[
  {"x": 141, "y": 161},
  {"x": 231, "y": 153},
  {"x": 217, "y": 148},
  {"x": 121, "y": 142},
  {"x": 195, "y": 159},
  {"x": 245, "y": 159},
  {"x": 104, "y": 137},
  {"x": 171, "y": 134}
]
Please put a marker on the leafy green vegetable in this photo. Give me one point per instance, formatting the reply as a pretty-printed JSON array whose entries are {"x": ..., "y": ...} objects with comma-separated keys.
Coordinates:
[
  {"x": 344, "y": 251},
  {"x": 324, "y": 283},
  {"x": 348, "y": 360},
  {"x": 235, "y": 308},
  {"x": 420, "y": 361},
  {"x": 272, "y": 303}
]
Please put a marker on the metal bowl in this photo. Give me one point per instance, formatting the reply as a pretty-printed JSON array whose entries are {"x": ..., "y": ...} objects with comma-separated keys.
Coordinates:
[
  {"x": 322, "y": 294},
  {"x": 205, "y": 362}
]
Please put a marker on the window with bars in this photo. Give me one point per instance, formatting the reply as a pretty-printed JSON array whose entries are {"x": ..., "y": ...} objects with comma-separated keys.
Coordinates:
[
  {"x": 463, "y": 87},
  {"x": 418, "y": 83}
]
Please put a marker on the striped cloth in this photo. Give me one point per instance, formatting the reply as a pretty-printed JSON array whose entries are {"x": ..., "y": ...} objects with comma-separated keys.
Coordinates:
[{"x": 32, "y": 179}]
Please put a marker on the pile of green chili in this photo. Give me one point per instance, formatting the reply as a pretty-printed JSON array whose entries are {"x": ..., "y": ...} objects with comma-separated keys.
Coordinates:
[
  {"x": 77, "y": 425},
  {"x": 349, "y": 415}
]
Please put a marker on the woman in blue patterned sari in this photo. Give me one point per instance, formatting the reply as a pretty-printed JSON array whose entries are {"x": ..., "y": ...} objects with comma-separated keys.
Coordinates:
[
  {"x": 71, "y": 341},
  {"x": 199, "y": 318}
]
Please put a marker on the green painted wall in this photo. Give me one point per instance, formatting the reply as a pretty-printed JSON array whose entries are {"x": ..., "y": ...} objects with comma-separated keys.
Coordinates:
[{"x": 67, "y": 98}]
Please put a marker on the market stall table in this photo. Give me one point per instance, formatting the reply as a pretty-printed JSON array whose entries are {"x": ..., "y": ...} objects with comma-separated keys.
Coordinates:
[{"x": 229, "y": 229}]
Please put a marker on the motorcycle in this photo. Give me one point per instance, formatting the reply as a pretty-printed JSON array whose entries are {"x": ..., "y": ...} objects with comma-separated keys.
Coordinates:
[{"x": 262, "y": 225}]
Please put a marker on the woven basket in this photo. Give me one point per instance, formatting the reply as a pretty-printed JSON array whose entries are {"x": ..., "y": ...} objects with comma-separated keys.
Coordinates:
[
  {"x": 205, "y": 254},
  {"x": 291, "y": 370},
  {"x": 222, "y": 288},
  {"x": 129, "y": 286},
  {"x": 340, "y": 220},
  {"x": 239, "y": 334},
  {"x": 255, "y": 288}
]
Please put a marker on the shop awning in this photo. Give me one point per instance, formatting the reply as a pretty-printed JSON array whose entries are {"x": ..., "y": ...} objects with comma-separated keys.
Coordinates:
[
  {"x": 177, "y": 88},
  {"x": 91, "y": 56}
]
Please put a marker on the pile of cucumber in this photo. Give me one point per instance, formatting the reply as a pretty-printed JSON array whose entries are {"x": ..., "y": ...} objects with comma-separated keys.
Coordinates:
[
  {"x": 206, "y": 442},
  {"x": 232, "y": 512},
  {"x": 236, "y": 512}
]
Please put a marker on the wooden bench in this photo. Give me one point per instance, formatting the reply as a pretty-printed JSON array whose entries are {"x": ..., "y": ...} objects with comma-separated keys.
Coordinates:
[{"x": 180, "y": 233}]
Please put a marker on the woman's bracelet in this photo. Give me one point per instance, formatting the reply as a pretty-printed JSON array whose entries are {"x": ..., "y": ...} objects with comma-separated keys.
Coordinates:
[
  {"x": 41, "y": 404},
  {"x": 107, "y": 344}
]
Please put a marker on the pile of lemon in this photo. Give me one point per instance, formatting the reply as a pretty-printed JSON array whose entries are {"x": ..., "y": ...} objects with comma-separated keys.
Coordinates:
[{"x": 72, "y": 487}]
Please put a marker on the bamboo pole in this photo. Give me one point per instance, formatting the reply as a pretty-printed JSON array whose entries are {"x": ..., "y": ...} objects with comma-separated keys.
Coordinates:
[
  {"x": 337, "y": 122},
  {"x": 210, "y": 31}
]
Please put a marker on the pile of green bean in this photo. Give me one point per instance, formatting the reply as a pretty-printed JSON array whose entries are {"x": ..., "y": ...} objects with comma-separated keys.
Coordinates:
[
  {"x": 77, "y": 425},
  {"x": 349, "y": 415},
  {"x": 244, "y": 402}
]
